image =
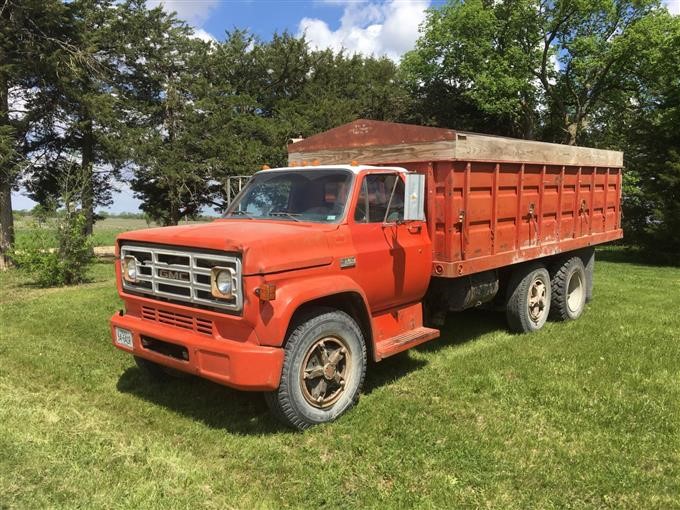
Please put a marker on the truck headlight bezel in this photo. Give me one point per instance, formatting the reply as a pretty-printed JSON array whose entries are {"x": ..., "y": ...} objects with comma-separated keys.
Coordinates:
[
  {"x": 129, "y": 269},
  {"x": 223, "y": 282}
]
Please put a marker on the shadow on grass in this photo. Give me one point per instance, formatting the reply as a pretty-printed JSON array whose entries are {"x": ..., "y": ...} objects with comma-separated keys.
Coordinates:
[
  {"x": 463, "y": 327},
  {"x": 216, "y": 406},
  {"x": 459, "y": 329},
  {"x": 244, "y": 412}
]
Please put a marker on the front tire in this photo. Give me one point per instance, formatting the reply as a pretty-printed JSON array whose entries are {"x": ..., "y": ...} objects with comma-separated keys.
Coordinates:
[
  {"x": 528, "y": 298},
  {"x": 323, "y": 371}
]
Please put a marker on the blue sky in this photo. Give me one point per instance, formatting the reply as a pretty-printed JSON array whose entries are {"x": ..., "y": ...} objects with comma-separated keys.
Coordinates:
[{"x": 378, "y": 27}]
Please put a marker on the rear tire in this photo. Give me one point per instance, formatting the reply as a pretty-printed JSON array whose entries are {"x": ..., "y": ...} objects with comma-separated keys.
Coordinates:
[
  {"x": 570, "y": 290},
  {"x": 323, "y": 371},
  {"x": 528, "y": 298}
]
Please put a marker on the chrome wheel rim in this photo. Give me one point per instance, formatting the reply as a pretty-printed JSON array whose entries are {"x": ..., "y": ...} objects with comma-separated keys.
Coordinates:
[
  {"x": 324, "y": 371},
  {"x": 575, "y": 292},
  {"x": 538, "y": 300}
]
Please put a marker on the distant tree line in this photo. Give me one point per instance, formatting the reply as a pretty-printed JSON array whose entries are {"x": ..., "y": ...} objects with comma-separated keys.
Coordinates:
[{"x": 119, "y": 92}]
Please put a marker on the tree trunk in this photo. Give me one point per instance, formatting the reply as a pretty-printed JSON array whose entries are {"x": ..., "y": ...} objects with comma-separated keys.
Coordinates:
[
  {"x": 573, "y": 127},
  {"x": 87, "y": 164},
  {"x": 6, "y": 220},
  {"x": 174, "y": 213},
  {"x": 6, "y": 177},
  {"x": 572, "y": 133}
]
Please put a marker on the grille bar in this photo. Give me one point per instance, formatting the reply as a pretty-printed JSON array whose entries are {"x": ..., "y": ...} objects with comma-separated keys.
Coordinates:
[
  {"x": 197, "y": 324},
  {"x": 189, "y": 267}
]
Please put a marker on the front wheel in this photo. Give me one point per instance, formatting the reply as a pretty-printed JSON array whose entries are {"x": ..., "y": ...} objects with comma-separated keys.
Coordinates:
[{"x": 323, "y": 371}]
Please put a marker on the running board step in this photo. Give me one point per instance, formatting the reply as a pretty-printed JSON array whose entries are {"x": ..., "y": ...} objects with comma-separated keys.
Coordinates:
[{"x": 405, "y": 341}]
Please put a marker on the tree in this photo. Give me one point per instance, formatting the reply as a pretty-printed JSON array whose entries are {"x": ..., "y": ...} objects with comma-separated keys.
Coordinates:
[
  {"x": 167, "y": 116},
  {"x": 30, "y": 50},
  {"x": 644, "y": 124},
  {"x": 88, "y": 125},
  {"x": 541, "y": 69},
  {"x": 228, "y": 108}
]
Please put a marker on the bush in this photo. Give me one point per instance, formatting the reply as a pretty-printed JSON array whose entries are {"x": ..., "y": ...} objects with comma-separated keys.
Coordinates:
[{"x": 65, "y": 264}]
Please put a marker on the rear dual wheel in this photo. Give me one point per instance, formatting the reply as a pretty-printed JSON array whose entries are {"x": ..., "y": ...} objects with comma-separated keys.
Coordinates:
[
  {"x": 528, "y": 299},
  {"x": 570, "y": 289},
  {"x": 534, "y": 294}
]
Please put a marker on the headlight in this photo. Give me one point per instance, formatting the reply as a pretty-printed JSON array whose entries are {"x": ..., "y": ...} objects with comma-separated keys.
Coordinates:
[
  {"x": 130, "y": 269},
  {"x": 222, "y": 282}
]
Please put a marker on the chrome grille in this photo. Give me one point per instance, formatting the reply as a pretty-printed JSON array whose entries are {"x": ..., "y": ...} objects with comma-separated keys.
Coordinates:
[{"x": 181, "y": 275}]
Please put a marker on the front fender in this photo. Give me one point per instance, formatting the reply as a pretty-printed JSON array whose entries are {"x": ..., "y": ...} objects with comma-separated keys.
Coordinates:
[{"x": 275, "y": 316}]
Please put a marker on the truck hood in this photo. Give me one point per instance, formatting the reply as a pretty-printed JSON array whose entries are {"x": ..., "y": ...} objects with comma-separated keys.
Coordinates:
[{"x": 266, "y": 246}]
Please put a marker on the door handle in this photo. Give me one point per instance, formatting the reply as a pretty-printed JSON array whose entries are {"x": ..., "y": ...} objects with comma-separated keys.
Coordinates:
[{"x": 414, "y": 229}]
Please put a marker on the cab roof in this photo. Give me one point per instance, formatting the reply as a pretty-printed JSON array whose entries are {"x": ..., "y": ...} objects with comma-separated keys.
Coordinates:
[{"x": 355, "y": 169}]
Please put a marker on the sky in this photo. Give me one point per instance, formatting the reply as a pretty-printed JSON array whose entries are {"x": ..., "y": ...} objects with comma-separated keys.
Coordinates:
[{"x": 370, "y": 27}]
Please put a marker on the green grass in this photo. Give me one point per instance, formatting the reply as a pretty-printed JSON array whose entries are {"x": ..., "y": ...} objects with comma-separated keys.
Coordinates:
[
  {"x": 581, "y": 414},
  {"x": 105, "y": 230}
]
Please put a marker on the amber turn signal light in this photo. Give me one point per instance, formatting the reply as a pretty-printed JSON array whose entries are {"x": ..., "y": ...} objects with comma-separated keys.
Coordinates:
[{"x": 266, "y": 292}]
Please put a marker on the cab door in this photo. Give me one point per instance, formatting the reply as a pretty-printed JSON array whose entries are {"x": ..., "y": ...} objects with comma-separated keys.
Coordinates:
[{"x": 393, "y": 257}]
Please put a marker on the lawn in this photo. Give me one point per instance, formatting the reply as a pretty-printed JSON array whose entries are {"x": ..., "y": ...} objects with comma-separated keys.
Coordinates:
[
  {"x": 105, "y": 230},
  {"x": 581, "y": 414}
]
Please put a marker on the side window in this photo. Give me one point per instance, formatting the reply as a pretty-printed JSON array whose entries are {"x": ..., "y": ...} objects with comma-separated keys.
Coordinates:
[{"x": 381, "y": 199}]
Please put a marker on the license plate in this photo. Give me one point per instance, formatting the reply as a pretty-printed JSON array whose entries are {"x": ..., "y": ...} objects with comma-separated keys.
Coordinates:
[{"x": 124, "y": 337}]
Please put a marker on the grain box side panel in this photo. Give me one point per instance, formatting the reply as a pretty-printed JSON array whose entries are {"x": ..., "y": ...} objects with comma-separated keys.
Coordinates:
[{"x": 479, "y": 211}]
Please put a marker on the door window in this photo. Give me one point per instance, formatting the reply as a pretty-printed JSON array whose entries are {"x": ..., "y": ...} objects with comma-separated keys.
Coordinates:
[{"x": 381, "y": 199}]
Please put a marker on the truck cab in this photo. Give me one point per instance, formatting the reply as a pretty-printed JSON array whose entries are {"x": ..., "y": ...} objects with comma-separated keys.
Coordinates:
[{"x": 311, "y": 271}]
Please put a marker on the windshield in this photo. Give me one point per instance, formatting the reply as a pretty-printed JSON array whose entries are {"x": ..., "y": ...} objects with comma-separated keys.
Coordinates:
[{"x": 301, "y": 195}]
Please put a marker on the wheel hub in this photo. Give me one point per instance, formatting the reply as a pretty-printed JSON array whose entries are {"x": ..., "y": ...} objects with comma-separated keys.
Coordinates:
[
  {"x": 324, "y": 371},
  {"x": 329, "y": 371},
  {"x": 537, "y": 300},
  {"x": 575, "y": 293}
]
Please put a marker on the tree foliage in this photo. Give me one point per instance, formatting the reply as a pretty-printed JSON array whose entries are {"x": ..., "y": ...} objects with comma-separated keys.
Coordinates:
[
  {"x": 29, "y": 51},
  {"x": 226, "y": 109},
  {"x": 115, "y": 91},
  {"x": 603, "y": 73},
  {"x": 540, "y": 68}
]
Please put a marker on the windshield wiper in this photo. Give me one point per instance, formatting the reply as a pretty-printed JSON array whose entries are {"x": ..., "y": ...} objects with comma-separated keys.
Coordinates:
[
  {"x": 241, "y": 213},
  {"x": 284, "y": 214}
]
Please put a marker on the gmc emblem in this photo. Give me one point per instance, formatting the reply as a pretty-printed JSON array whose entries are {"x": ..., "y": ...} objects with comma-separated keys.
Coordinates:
[{"x": 174, "y": 275}]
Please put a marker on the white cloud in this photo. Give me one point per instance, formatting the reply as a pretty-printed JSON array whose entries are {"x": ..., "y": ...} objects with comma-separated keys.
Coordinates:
[
  {"x": 673, "y": 6},
  {"x": 193, "y": 11},
  {"x": 204, "y": 35},
  {"x": 388, "y": 28}
]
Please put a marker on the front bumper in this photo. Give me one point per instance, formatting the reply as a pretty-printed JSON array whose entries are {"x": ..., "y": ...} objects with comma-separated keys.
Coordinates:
[{"x": 240, "y": 365}]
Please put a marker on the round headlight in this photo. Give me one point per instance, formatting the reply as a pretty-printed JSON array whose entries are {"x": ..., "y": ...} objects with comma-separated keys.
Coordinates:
[
  {"x": 223, "y": 282},
  {"x": 130, "y": 269}
]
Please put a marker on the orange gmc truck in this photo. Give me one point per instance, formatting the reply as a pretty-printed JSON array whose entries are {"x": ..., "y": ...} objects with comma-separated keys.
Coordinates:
[{"x": 356, "y": 250}]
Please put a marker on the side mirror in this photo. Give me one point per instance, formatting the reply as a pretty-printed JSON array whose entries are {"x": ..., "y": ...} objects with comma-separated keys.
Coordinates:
[{"x": 414, "y": 197}]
